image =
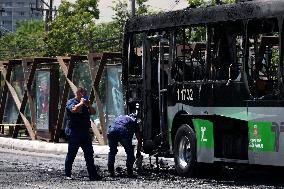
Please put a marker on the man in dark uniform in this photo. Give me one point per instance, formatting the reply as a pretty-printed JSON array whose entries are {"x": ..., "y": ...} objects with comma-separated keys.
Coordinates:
[
  {"x": 122, "y": 130},
  {"x": 78, "y": 113}
]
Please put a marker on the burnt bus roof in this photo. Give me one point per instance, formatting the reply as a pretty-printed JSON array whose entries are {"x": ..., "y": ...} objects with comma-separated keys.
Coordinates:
[{"x": 198, "y": 16}]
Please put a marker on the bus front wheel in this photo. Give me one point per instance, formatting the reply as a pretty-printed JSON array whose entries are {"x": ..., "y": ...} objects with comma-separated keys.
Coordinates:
[{"x": 185, "y": 150}]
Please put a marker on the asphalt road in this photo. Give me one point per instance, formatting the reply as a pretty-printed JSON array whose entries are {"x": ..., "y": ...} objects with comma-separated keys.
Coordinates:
[{"x": 20, "y": 169}]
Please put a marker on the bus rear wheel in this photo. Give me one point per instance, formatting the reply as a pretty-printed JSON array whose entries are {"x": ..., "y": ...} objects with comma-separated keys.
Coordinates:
[{"x": 185, "y": 151}]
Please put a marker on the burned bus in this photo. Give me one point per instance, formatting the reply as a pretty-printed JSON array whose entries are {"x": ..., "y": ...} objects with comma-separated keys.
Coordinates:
[{"x": 207, "y": 83}]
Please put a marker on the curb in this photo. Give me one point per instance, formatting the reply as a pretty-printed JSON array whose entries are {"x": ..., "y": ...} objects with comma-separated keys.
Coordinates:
[{"x": 52, "y": 148}]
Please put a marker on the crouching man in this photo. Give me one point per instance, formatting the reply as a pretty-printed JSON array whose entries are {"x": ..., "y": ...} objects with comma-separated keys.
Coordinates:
[{"x": 122, "y": 130}]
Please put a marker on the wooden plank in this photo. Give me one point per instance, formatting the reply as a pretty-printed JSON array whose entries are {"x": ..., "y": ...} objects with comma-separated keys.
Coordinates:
[
  {"x": 94, "y": 94},
  {"x": 96, "y": 77},
  {"x": 65, "y": 72},
  {"x": 5, "y": 89},
  {"x": 18, "y": 105},
  {"x": 68, "y": 72},
  {"x": 102, "y": 119},
  {"x": 28, "y": 77},
  {"x": 54, "y": 99},
  {"x": 92, "y": 66},
  {"x": 92, "y": 58}
]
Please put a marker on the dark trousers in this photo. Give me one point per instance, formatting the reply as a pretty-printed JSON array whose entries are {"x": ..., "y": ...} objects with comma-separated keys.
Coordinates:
[
  {"x": 126, "y": 142},
  {"x": 84, "y": 141}
]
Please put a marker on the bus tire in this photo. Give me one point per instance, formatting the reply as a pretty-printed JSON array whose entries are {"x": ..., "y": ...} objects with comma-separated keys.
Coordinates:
[{"x": 185, "y": 150}]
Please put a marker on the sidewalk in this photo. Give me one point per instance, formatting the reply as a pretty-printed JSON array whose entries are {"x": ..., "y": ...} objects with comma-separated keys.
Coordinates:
[{"x": 45, "y": 147}]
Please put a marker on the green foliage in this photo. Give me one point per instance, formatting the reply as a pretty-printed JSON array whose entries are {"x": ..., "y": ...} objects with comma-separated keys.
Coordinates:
[
  {"x": 141, "y": 7},
  {"x": 71, "y": 30},
  {"x": 213, "y": 2},
  {"x": 26, "y": 41},
  {"x": 121, "y": 14},
  {"x": 195, "y": 3},
  {"x": 199, "y": 3},
  {"x": 275, "y": 56},
  {"x": 106, "y": 37},
  {"x": 229, "y": 1},
  {"x": 199, "y": 33}
]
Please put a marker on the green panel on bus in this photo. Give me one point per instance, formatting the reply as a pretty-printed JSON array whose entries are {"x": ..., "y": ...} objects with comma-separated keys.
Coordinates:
[
  {"x": 261, "y": 137},
  {"x": 204, "y": 133}
]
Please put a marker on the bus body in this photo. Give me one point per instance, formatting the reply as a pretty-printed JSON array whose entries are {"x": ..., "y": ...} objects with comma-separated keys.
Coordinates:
[{"x": 207, "y": 83}]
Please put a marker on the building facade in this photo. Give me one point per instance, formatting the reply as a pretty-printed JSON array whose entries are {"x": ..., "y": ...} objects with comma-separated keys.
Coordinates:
[{"x": 14, "y": 11}]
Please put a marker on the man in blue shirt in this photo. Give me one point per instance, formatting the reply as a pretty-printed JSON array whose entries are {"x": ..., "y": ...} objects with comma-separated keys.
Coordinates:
[
  {"x": 122, "y": 130},
  {"x": 78, "y": 113}
]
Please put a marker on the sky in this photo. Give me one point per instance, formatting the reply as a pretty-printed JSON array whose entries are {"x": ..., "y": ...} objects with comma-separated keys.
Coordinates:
[{"x": 106, "y": 12}]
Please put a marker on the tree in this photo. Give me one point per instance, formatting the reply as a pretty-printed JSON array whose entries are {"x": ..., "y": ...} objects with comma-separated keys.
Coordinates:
[
  {"x": 142, "y": 7},
  {"x": 28, "y": 40},
  {"x": 214, "y": 2},
  {"x": 71, "y": 30},
  {"x": 106, "y": 37},
  {"x": 199, "y": 3},
  {"x": 195, "y": 3},
  {"x": 122, "y": 13}
]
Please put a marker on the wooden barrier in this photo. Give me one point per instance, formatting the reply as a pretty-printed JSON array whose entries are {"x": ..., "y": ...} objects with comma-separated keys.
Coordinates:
[{"x": 96, "y": 64}]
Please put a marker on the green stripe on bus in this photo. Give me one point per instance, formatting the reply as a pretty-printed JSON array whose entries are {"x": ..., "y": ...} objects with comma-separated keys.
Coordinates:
[
  {"x": 261, "y": 137},
  {"x": 204, "y": 133}
]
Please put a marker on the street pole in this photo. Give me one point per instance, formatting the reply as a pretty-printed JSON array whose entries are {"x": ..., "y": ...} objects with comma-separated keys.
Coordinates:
[
  {"x": 48, "y": 11},
  {"x": 132, "y": 8},
  {"x": 49, "y": 15},
  {"x": 12, "y": 19}
]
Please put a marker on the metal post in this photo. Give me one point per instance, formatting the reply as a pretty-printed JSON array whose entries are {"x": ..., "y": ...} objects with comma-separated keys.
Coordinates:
[
  {"x": 50, "y": 10},
  {"x": 132, "y": 8},
  {"x": 12, "y": 19}
]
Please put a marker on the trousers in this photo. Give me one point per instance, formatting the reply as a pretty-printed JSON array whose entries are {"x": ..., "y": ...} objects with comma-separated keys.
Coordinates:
[
  {"x": 83, "y": 140},
  {"x": 126, "y": 142}
]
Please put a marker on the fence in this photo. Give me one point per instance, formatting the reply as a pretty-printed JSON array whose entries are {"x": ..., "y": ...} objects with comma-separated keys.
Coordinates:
[{"x": 34, "y": 92}]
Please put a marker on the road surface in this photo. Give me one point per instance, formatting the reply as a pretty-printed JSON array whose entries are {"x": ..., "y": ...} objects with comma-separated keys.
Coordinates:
[{"x": 20, "y": 169}]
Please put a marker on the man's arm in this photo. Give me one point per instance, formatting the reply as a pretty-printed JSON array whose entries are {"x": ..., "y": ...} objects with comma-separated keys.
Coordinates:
[{"x": 76, "y": 108}]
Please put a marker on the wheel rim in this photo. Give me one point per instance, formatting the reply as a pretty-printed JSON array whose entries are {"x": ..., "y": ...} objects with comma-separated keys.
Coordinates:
[{"x": 184, "y": 152}]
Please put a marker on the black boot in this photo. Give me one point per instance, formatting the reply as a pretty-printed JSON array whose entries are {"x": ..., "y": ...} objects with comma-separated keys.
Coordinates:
[
  {"x": 130, "y": 171},
  {"x": 94, "y": 176},
  {"x": 111, "y": 170}
]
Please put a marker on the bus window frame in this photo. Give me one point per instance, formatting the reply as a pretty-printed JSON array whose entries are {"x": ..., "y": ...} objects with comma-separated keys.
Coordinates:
[{"x": 245, "y": 70}]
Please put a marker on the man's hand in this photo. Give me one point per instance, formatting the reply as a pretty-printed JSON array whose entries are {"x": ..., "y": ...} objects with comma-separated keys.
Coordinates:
[
  {"x": 77, "y": 107},
  {"x": 82, "y": 101},
  {"x": 86, "y": 102}
]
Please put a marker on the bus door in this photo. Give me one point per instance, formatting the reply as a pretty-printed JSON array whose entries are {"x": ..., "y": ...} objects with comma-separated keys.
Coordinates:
[{"x": 154, "y": 91}]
